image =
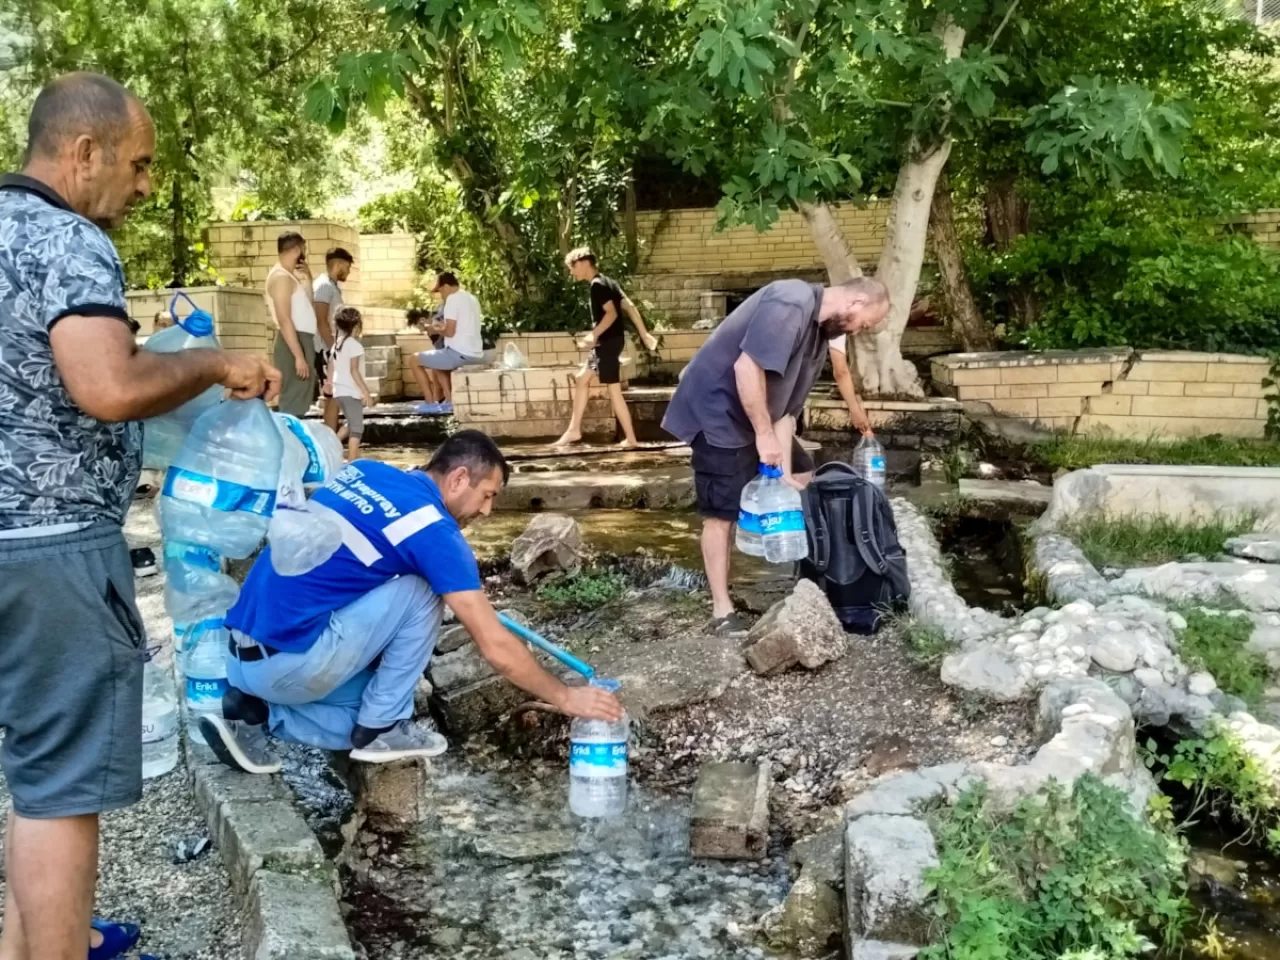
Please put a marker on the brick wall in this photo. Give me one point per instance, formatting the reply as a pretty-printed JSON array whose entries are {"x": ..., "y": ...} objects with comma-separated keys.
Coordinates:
[
  {"x": 526, "y": 403},
  {"x": 1123, "y": 392},
  {"x": 387, "y": 272},
  {"x": 561, "y": 349},
  {"x": 1262, "y": 225},
  {"x": 243, "y": 253},
  {"x": 240, "y": 315}
]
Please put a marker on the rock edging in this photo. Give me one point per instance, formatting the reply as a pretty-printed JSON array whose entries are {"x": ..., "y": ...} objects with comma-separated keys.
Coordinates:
[{"x": 287, "y": 887}]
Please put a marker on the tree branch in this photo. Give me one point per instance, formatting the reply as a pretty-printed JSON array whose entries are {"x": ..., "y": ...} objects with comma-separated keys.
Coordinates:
[
  {"x": 275, "y": 65},
  {"x": 1003, "y": 23}
]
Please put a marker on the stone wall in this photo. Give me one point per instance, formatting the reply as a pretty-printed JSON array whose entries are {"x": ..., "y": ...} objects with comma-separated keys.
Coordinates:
[
  {"x": 1262, "y": 225},
  {"x": 534, "y": 403},
  {"x": 561, "y": 350},
  {"x": 243, "y": 253},
  {"x": 1121, "y": 391},
  {"x": 239, "y": 315},
  {"x": 388, "y": 271}
]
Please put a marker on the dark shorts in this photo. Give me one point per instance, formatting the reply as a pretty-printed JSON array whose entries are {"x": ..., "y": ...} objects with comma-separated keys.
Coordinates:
[
  {"x": 71, "y": 659},
  {"x": 605, "y": 360},
  {"x": 719, "y": 474}
]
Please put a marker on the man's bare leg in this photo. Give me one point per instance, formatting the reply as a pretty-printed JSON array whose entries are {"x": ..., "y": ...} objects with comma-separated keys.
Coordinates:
[
  {"x": 717, "y": 536},
  {"x": 573, "y": 433},
  {"x": 623, "y": 414},
  {"x": 424, "y": 381},
  {"x": 331, "y": 413},
  {"x": 445, "y": 379},
  {"x": 52, "y": 872},
  {"x": 13, "y": 940}
]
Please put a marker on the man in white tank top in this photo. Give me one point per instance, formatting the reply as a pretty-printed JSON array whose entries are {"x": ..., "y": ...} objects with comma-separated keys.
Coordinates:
[{"x": 289, "y": 302}]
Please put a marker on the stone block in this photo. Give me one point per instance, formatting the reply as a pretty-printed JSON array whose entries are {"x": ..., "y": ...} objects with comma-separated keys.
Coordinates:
[
  {"x": 730, "y": 818},
  {"x": 391, "y": 796},
  {"x": 216, "y": 785},
  {"x": 1154, "y": 369},
  {"x": 1171, "y": 388},
  {"x": 983, "y": 392},
  {"x": 1075, "y": 388},
  {"x": 885, "y": 894},
  {"x": 270, "y": 835},
  {"x": 551, "y": 543},
  {"x": 1254, "y": 390},
  {"x": 1024, "y": 391},
  {"x": 801, "y": 629},
  {"x": 880, "y": 950},
  {"x": 1039, "y": 374},
  {"x": 295, "y": 918},
  {"x": 1209, "y": 390},
  {"x": 975, "y": 377},
  {"x": 1083, "y": 372},
  {"x": 1027, "y": 409},
  {"x": 1109, "y": 405},
  {"x": 1250, "y": 372},
  {"x": 1130, "y": 388},
  {"x": 1218, "y": 408},
  {"x": 476, "y": 707},
  {"x": 1060, "y": 407},
  {"x": 808, "y": 922}
]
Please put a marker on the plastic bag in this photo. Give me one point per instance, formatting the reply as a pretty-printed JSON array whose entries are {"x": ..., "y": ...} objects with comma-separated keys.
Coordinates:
[
  {"x": 301, "y": 540},
  {"x": 513, "y": 359}
]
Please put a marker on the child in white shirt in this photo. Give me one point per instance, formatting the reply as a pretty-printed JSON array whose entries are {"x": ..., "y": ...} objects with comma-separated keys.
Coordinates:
[{"x": 346, "y": 369}]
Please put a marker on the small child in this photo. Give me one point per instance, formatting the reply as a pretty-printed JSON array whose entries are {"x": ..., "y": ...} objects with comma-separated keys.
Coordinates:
[{"x": 346, "y": 369}]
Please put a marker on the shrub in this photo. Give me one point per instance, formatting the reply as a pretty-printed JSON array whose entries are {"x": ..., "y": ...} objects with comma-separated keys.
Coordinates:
[{"x": 582, "y": 591}]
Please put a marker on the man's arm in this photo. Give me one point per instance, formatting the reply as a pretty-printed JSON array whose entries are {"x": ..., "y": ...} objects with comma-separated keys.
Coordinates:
[
  {"x": 110, "y": 379},
  {"x": 323, "y": 326},
  {"x": 607, "y": 319},
  {"x": 844, "y": 383},
  {"x": 753, "y": 394},
  {"x": 281, "y": 292},
  {"x": 511, "y": 658}
]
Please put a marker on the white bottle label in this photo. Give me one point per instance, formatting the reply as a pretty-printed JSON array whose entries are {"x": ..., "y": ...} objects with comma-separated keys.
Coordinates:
[{"x": 598, "y": 759}]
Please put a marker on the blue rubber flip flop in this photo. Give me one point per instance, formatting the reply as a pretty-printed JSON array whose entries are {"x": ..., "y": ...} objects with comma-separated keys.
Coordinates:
[
  {"x": 426, "y": 409},
  {"x": 116, "y": 938}
]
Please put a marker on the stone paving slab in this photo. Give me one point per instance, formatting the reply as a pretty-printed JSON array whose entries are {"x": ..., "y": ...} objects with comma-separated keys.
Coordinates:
[
  {"x": 295, "y": 917},
  {"x": 731, "y": 811},
  {"x": 268, "y": 834}
]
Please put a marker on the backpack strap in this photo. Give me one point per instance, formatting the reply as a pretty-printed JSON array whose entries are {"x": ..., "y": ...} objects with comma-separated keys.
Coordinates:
[
  {"x": 862, "y": 528},
  {"x": 817, "y": 530}
]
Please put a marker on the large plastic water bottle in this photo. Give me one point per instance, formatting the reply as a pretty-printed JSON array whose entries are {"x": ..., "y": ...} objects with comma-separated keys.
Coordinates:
[
  {"x": 220, "y": 491},
  {"x": 206, "y": 679},
  {"x": 195, "y": 587},
  {"x": 598, "y": 763},
  {"x": 185, "y": 636},
  {"x": 323, "y": 449},
  {"x": 781, "y": 519},
  {"x": 300, "y": 540},
  {"x": 868, "y": 461},
  {"x": 748, "y": 537},
  {"x": 159, "y": 720},
  {"x": 162, "y": 436}
]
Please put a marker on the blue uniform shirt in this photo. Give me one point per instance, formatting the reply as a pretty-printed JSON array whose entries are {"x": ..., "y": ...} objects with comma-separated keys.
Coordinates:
[{"x": 394, "y": 524}]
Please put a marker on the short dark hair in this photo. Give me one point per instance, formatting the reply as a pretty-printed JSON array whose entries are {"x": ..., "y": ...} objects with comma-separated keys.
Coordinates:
[
  {"x": 290, "y": 240},
  {"x": 580, "y": 253},
  {"x": 471, "y": 449},
  {"x": 76, "y": 104},
  {"x": 447, "y": 278},
  {"x": 339, "y": 253}
]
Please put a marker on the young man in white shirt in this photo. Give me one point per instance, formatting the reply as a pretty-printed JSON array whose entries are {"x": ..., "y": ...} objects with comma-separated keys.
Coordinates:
[
  {"x": 460, "y": 328},
  {"x": 326, "y": 296}
]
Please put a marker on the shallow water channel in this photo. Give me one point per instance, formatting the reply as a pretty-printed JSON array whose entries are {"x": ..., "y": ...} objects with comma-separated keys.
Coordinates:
[{"x": 502, "y": 870}]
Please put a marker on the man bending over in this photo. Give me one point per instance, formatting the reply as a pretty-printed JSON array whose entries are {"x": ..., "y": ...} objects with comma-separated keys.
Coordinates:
[{"x": 331, "y": 658}]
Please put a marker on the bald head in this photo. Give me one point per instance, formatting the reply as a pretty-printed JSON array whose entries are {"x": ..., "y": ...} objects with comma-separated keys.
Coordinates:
[
  {"x": 75, "y": 105},
  {"x": 859, "y": 305},
  {"x": 91, "y": 140}
]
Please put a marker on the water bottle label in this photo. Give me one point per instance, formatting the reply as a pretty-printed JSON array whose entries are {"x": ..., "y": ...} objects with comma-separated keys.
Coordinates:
[
  {"x": 193, "y": 556},
  {"x": 205, "y": 691},
  {"x": 750, "y": 522},
  {"x": 788, "y": 521},
  {"x": 221, "y": 495},
  {"x": 315, "y": 463},
  {"x": 598, "y": 759},
  {"x": 159, "y": 728},
  {"x": 877, "y": 463}
]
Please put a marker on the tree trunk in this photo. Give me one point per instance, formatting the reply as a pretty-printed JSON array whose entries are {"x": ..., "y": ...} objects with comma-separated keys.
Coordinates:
[
  {"x": 630, "y": 225},
  {"x": 967, "y": 322},
  {"x": 828, "y": 237},
  {"x": 568, "y": 210},
  {"x": 882, "y": 368},
  {"x": 179, "y": 234},
  {"x": 1008, "y": 218}
]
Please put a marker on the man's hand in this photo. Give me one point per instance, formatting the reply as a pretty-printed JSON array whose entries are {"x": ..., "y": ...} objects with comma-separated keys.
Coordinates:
[
  {"x": 768, "y": 447},
  {"x": 591, "y": 703},
  {"x": 587, "y": 341},
  {"x": 366, "y": 401},
  {"x": 861, "y": 422},
  {"x": 301, "y": 367},
  {"x": 251, "y": 376}
]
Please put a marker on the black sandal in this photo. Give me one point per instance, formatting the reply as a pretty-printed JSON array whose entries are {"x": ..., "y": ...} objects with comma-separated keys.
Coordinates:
[{"x": 728, "y": 626}]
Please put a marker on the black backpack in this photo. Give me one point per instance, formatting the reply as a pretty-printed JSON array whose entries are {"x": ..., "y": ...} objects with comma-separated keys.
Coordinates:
[{"x": 854, "y": 554}]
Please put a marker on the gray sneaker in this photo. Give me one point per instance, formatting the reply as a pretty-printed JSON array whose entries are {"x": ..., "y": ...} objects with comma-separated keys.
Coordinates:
[
  {"x": 407, "y": 739},
  {"x": 240, "y": 745}
]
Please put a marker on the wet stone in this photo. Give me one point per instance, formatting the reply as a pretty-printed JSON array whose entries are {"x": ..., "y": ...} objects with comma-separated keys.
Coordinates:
[
  {"x": 526, "y": 846},
  {"x": 731, "y": 811}
]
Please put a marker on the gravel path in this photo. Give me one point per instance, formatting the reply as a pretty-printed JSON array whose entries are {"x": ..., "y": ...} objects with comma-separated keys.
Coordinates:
[{"x": 186, "y": 910}]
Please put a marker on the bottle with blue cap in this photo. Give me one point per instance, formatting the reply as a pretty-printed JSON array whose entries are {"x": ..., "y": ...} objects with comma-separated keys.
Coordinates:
[
  {"x": 162, "y": 436},
  {"x": 781, "y": 519},
  {"x": 598, "y": 763},
  {"x": 868, "y": 461},
  {"x": 748, "y": 537}
]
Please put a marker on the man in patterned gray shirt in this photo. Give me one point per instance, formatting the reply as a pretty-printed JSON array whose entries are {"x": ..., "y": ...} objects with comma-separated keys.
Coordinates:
[{"x": 73, "y": 385}]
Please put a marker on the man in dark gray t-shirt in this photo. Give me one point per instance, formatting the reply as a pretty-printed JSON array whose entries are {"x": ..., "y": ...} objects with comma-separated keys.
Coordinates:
[{"x": 738, "y": 400}]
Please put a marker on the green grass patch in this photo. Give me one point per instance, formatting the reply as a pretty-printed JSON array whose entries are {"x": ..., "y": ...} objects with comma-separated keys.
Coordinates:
[
  {"x": 582, "y": 591},
  {"x": 925, "y": 645},
  {"x": 1067, "y": 875},
  {"x": 1215, "y": 642},
  {"x": 1075, "y": 453},
  {"x": 1148, "y": 541}
]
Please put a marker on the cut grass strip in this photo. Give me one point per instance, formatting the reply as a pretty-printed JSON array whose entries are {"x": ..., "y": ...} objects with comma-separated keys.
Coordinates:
[
  {"x": 1216, "y": 642},
  {"x": 1076, "y": 453},
  {"x": 1150, "y": 541}
]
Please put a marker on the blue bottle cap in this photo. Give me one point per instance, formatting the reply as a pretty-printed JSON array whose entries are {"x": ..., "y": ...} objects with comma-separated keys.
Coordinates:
[
  {"x": 606, "y": 684},
  {"x": 773, "y": 473},
  {"x": 198, "y": 323}
]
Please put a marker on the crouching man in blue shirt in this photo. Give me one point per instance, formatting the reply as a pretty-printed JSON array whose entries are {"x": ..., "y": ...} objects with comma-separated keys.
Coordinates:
[{"x": 331, "y": 658}]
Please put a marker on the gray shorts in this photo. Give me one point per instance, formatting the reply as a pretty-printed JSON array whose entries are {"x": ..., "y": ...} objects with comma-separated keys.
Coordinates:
[
  {"x": 71, "y": 652},
  {"x": 446, "y": 358},
  {"x": 353, "y": 410}
]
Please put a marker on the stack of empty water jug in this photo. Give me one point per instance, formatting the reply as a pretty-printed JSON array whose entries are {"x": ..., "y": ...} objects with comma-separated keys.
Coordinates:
[{"x": 234, "y": 473}]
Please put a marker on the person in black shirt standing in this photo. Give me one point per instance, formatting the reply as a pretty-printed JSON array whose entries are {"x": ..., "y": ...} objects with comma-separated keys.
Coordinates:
[{"x": 608, "y": 337}]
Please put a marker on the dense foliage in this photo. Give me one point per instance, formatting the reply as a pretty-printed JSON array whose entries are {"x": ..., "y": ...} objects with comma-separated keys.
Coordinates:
[{"x": 1066, "y": 874}]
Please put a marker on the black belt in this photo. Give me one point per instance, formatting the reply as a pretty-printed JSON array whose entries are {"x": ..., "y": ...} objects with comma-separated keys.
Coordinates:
[{"x": 250, "y": 654}]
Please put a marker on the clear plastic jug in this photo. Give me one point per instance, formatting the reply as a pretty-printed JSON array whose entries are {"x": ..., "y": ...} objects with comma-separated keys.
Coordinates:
[{"x": 162, "y": 436}]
